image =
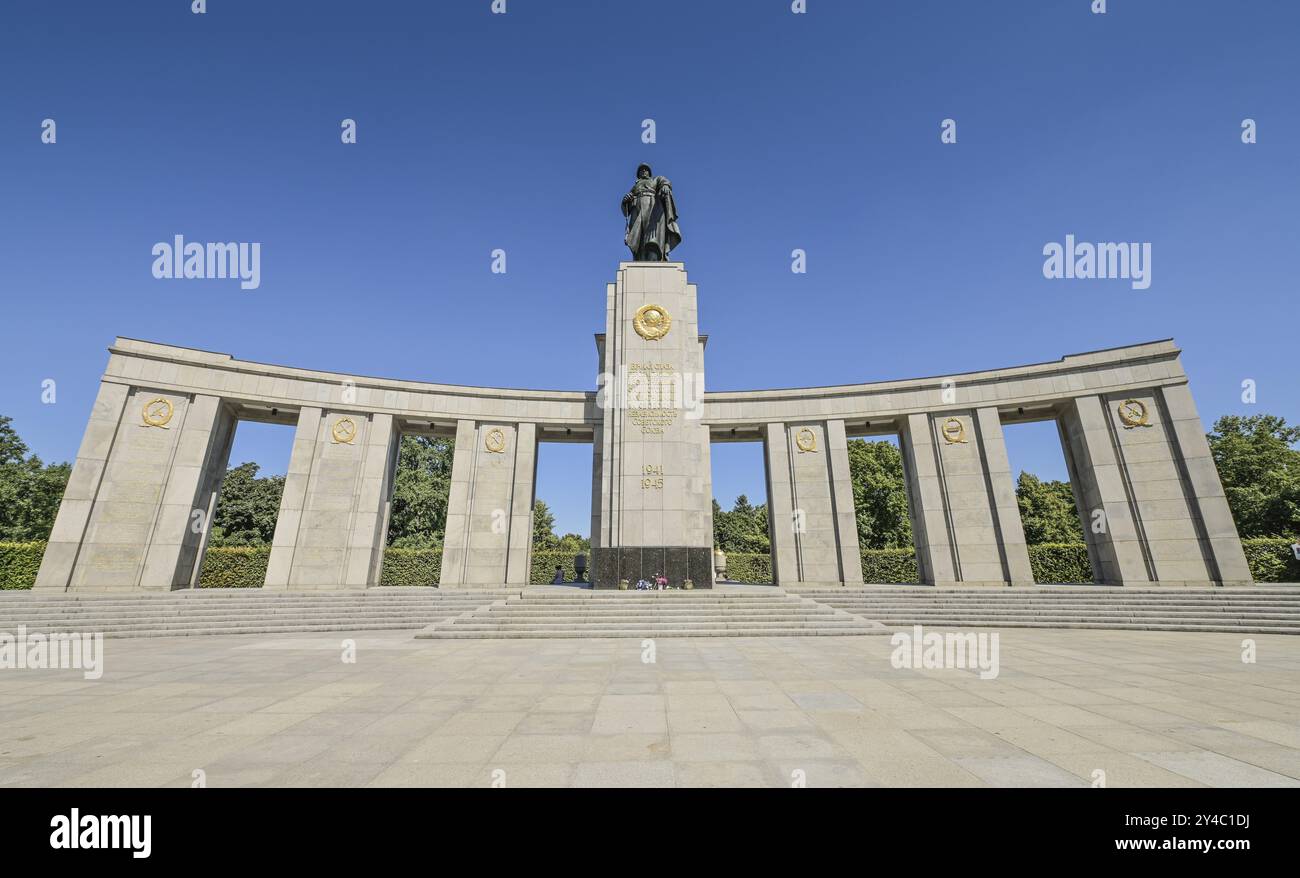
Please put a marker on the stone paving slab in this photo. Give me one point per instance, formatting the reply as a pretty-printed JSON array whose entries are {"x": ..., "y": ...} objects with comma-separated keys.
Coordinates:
[{"x": 1143, "y": 708}]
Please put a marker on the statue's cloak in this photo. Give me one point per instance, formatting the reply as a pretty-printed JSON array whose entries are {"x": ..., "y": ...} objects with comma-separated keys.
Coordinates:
[{"x": 652, "y": 231}]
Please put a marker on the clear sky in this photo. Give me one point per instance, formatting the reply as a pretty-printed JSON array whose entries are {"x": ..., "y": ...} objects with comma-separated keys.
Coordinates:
[{"x": 521, "y": 131}]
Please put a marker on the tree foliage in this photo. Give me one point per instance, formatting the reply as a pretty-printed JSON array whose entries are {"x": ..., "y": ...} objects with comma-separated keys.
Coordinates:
[
  {"x": 30, "y": 491},
  {"x": 879, "y": 495},
  {"x": 742, "y": 529},
  {"x": 420, "y": 491},
  {"x": 246, "y": 508},
  {"x": 1260, "y": 471},
  {"x": 1047, "y": 511}
]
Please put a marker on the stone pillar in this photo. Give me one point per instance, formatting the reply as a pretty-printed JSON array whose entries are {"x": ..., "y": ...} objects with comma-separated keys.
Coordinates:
[
  {"x": 1001, "y": 488},
  {"x": 1141, "y": 458},
  {"x": 656, "y": 498},
  {"x": 780, "y": 505},
  {"x": 327, "y": 536},
  {"x": 61, "y": 552},
  {"x": 811, "y": 521},
  {"x": 197, "y": 470},
  {"x": 1102, "y": 495},
  {"x": 1220, "y": 541},
  {"x": 293, "y": 499},
  {"x": 965, "y": 520},
  {"x": 148, "y": 462},
  {"x": 488, "y": 540},
  {"x": 365, "y": 554},
  {"x": 935, "y": 558}
]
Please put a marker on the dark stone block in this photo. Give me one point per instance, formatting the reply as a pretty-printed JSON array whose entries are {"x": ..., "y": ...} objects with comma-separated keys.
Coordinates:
[
  {"x": 631, "y": 563},
  {"x": 676, "y": 564}
]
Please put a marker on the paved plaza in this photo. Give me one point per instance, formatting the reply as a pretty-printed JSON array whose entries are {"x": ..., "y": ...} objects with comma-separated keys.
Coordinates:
[{"x": 1145, "y": 708}]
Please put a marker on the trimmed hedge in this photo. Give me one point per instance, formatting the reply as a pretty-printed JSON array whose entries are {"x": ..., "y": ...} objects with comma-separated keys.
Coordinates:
[
  {"x": 1271, "y": 560},
  {"x": 1060, "y": 563},
  {"x": 411, "y": 566},
  {"x": 889, "y": 565},
  {"x": 19, "y": 563},
  {"x": 234, "y": 567},
  {"x": 747, "y": 567}
]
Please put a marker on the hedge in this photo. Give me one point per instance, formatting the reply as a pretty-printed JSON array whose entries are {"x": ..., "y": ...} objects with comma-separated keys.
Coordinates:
[
  {"x": 1060, "y": 562},
  {"x": 19, "y": 563},
  {"x": 1271, "y": 560},
  {"x": 234, "y": 567},
  {"x": 889, "y": 565},
  {"x": 411, "y": 566}
]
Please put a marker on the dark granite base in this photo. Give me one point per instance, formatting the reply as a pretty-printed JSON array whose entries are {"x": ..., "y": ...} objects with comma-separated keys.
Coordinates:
[{"x": 678, "y": 563}]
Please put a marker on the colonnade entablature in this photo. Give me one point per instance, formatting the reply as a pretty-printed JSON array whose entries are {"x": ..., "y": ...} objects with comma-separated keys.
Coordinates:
[{"x": 158, "y": 441}]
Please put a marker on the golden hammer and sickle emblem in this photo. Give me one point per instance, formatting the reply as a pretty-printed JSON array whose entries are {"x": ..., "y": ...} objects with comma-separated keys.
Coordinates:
[
  {"x": 494, "y": 440},
  {"x": 651, "y": 322},
  {"x": 805, "y": 440},
  {"x": 344, "y": 431},
  {"x": 1133, "y": 412},
  {"x": 157, "y": 412},
  {"x": 954, "y": 431}
]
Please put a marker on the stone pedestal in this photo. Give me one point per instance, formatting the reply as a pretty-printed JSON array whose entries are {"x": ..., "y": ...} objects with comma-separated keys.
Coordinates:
[{"x": 653, "y": 496}]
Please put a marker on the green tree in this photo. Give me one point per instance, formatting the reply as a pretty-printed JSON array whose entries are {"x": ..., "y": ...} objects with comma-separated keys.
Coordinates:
[
  {"x": 30, "y": 490},
  {"x": 544, "y": 538},
  {"x": 879, "y": 495},
  {"x": 246, "y": 508},
  {"x": 1260, "y": 471},
  {"x": 1047, "y": 511},
  {"x": 743, "y": 529},
  {"x": 421, "y": 487},
  {"x": 573, "y": 544}
]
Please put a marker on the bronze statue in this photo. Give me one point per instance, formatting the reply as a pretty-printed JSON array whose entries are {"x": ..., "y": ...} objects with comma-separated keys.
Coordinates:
[{"x": 651, "y": 213}]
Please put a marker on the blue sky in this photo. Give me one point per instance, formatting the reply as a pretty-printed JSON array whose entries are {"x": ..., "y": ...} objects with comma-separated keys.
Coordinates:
[{"x": 521, "y": 131}]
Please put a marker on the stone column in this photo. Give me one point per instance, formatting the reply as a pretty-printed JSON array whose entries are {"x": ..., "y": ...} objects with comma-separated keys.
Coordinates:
[
  {"x": 57, "y": 566},
  {"x": 846, "y": 519},
  {"x": 1143, "y": 459},
  {"x": 196, "y": 472},
  {"x": 365, "y": 554},
  {"x": 1105, "y": 506},
  {"x": 488, "y": 540},
  {"x": 293, "y": 499},
  {"x": 1001, "y": 488},
  {"x": 656, "y": 502},
  {"x": 965, "y": 520},
  {"x": 1219, "y": 536},
  {"x": 935, "y": 557},
  {"x": 811, "y": 522},
  {"x": 523, "y": 496},
  {"x": 146, "y": 461},
  {"x": 780, "y": 505},
  {"x": 327, "y": 536}
]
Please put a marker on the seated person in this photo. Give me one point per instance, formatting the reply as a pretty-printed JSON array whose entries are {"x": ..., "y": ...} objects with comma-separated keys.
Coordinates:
[{"x": 559, "y": 576}]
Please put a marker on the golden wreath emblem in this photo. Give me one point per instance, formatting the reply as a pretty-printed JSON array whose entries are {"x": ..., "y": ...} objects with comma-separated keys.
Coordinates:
[
  {"x": 157, "y": 412},
  {"x": 344, "y": 431},
  {"x": 651, "y": 322},
  {"x": 494, "y": 440},
  {"x": 954, "y": 431},
  {"x": 1133, "y": 413},
  {"x": 805, "y": 440}
]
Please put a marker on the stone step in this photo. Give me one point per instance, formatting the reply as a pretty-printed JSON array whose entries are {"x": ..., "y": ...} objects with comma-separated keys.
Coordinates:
[
  {"x": 112, "y": 612},
  {"x": 589, "y": 631},
  {"x": 1083, "y": 624},
  {"x": 1068, "y": 608}
]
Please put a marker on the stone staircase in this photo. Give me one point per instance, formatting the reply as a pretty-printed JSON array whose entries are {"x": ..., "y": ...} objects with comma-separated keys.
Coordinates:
[
  {"x": 236, "y": 611},
  {"x": 721, "y": 612},
  {"x": 1254, "y": 609}
]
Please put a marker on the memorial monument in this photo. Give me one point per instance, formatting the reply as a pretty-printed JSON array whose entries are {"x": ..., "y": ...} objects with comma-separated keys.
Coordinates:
[{"x": 158, "y": 440}]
